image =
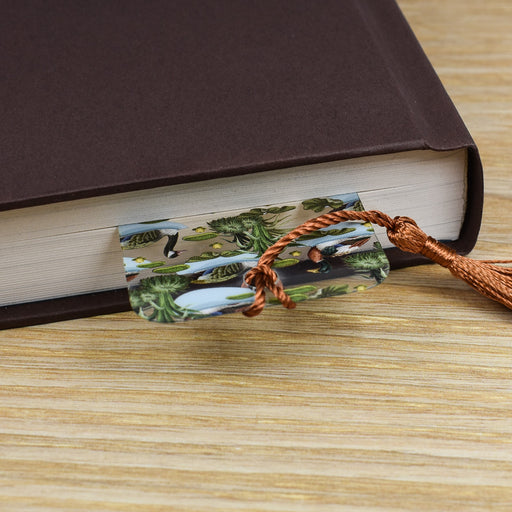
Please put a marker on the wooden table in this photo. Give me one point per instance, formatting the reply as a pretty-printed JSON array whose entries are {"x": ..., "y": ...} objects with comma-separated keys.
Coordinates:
[{"x": 399, "y": 398}]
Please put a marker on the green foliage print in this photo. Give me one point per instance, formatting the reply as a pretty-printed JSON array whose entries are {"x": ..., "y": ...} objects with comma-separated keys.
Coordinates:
[
  {"x": 210, "y": 255},
  {"x": 221, "y": 274},
  {"x": 152, "y": 299},
  {"x": 333, "y": 291},
  {"x": 255, "y": 230},
  {"x": 308, "y": 291},
  {"x": 200, "y": 237},
  {"x": 374, "y": 264},
  {"x": 318, "y": 204}
]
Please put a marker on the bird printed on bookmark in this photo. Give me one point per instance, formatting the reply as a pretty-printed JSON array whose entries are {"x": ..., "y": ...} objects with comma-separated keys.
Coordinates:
[
  {"x": 331, "y": 249},
  {"x": 140, "y": 235}
]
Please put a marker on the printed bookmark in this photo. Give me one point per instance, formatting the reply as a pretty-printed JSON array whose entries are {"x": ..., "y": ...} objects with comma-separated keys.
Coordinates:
[{"x": 195, "y": 267}]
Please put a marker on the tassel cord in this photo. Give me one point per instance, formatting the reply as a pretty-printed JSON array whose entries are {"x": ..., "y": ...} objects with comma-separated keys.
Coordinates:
[{"x": 490, "y": 280}]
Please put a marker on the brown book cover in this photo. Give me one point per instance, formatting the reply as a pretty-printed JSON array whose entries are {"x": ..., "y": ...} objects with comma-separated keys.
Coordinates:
[{"x": 101, "y": 97}]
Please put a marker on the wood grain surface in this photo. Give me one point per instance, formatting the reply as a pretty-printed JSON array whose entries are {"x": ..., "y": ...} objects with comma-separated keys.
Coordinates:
[{"x": 399, "y": 398}]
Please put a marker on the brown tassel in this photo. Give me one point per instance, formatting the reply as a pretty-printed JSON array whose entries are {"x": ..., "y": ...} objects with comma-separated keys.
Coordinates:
[{"x": 490, "y": 280}]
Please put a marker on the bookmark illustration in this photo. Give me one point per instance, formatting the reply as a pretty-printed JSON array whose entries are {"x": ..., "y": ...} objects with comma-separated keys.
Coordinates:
[{"x": 183, "y": 269}]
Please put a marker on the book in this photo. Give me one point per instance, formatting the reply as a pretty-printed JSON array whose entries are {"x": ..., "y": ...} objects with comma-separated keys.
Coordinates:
[{"x": 123, "y": 113}]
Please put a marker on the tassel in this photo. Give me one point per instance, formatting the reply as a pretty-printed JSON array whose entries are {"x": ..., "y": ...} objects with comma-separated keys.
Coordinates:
[{"x": 486, "y": 277}]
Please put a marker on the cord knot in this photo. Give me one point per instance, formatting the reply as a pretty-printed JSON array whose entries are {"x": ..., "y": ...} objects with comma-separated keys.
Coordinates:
[
  {"x": 263, "y": 277},
  {"x": 405, "y": 234}
]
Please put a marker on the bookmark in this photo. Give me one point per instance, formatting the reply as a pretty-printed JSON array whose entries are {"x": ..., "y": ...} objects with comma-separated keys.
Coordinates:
[{"x": 206, "y": 265}]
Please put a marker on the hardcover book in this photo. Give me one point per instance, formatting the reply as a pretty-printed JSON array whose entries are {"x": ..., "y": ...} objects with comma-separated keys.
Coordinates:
[{"x": 122, "y": 113}]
